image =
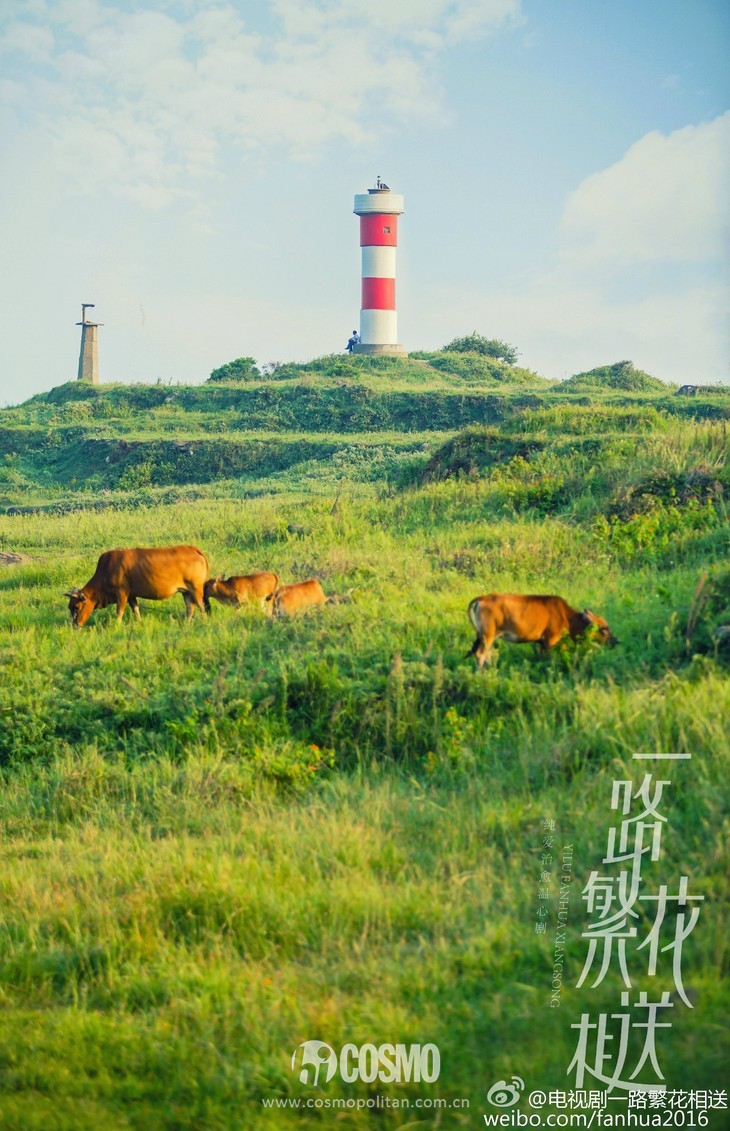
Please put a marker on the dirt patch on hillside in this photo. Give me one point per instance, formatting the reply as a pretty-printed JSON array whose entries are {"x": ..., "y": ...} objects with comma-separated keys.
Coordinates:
[{"x": 7, "y": 559}]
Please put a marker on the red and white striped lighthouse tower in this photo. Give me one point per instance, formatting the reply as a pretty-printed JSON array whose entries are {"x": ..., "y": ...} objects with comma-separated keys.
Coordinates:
[{"x": 378, "y": 209}]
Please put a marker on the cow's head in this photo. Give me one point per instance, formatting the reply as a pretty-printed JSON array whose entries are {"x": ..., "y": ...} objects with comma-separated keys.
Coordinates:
[
  {"x": 604, "y": 633},
  {"x": 80, "y": 607},
  {"x": 210, "y": 589}
]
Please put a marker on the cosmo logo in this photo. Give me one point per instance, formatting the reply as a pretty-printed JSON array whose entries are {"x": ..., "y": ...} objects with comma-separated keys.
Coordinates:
[{"x": 316, "y": 1062}]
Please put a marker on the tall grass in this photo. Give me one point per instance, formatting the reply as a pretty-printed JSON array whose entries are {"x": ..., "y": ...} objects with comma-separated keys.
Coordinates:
[{"x": 222, "y": 838}]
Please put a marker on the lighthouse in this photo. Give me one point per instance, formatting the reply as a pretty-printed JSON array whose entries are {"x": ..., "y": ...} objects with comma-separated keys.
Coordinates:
[
  {"x": 89, "y": 352},
  {"x": 378, "y": 209}
]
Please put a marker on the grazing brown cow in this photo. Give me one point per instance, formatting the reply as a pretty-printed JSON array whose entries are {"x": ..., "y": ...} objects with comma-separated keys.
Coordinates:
[
  {"x": 237, "y": 591},
  {"x": 124, "y": 575},
  {"x": 528, "y": 620},
  {"x": 290, "y": 599}
]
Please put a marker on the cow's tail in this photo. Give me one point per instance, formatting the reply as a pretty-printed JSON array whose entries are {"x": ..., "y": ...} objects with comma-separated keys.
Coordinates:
[{"x": 473, "y": 614}]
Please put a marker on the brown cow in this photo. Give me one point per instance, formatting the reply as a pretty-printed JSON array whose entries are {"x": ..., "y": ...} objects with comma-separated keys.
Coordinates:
[
  {"x": 237, "y": 591},
  {"x": 526, "y": 620},
  {"x": 124, "y": 575},
  {"x": 290, "y": 599}
]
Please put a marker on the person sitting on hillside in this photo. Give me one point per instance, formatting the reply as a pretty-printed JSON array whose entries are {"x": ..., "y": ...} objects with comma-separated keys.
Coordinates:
[{"x": 353, "y": 341}]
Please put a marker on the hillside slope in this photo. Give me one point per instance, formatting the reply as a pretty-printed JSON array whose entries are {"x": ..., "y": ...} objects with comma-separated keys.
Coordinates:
[
  {"x": 221, "y": 839},
  {"x": 365, "y": 421}
]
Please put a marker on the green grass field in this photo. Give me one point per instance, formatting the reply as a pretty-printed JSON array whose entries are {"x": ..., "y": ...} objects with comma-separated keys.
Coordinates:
[{"x": 224, "y": 838}]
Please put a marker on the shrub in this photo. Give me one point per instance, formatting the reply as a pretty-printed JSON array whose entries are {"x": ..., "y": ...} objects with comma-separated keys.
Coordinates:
[
  {"x": 136, "y": 475},
  {"x": 701, "y": 484},
  {"x": 621, "y": 375},
  {"x": 475, "y": 368},
  {"x": 474, "y": 452},
  {"x": 487, "y": 347},
  {"x": 707, "y": 627},
  {"x": 658, "y": 535},
  {"x": 242, "y": 369}
]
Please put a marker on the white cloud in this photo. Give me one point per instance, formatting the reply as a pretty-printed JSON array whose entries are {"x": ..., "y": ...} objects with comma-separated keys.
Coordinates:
[
  {"x": 635, "y": 275},
  {"x": 142, "y": 102},
  {"x": 665, "y": 200},
  {"x": 410, "y": 20},
  {"x": 564, "y": 324},
  {"x": 30, "y": 40}
]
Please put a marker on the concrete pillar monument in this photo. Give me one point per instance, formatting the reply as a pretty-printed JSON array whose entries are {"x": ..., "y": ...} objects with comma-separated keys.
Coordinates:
[{"x": 89, "y": 353}]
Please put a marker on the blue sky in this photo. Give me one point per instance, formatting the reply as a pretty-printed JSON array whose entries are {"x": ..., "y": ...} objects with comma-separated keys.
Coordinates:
[{"x": 189, "y": 166}]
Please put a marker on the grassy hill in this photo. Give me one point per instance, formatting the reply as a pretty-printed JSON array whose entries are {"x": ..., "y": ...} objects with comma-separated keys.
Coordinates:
[
  {"x": 369, "y": 418},
  {"x": 225, "y": 838}
]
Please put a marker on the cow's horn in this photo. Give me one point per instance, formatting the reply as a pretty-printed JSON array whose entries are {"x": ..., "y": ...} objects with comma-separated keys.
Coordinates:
[{"x": 73, "y": 593}]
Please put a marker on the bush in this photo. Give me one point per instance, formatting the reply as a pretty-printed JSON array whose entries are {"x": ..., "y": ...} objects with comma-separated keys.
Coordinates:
[
  {"x": 708, "y": 616},
  {"x": 621, "y": 375},
  {"x": 475, "y": 452},
  {"x": 476, "y": 369},
  {"x": 136, "y": 475},
  {"x": 242, "y": 369},
  {"x": 660, "y": 535},
  {"x": 671, "y": 488},
  {"x": 487, "y": 347}
]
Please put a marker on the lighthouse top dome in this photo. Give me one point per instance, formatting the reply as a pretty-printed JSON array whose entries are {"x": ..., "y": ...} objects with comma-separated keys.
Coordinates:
[{"x": 378, "y": 199}]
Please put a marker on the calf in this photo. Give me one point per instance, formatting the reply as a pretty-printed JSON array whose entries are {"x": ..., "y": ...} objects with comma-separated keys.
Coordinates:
[
  {"x": 524, "y": 620},
  {"x": 237, "y": 591},
  {"x": 290, "y": 599}
]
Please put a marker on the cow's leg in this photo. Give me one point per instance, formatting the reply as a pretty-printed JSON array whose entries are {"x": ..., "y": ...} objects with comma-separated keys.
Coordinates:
[
  {"x": 121, "y": 605},
  {"x": 549, "y": 639},
  {"x": 199, "y": 600},
  {"x": 135, "y": 607},
  {"x": 483, "y": 648},
  {"x": 189, "y": 604}
]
